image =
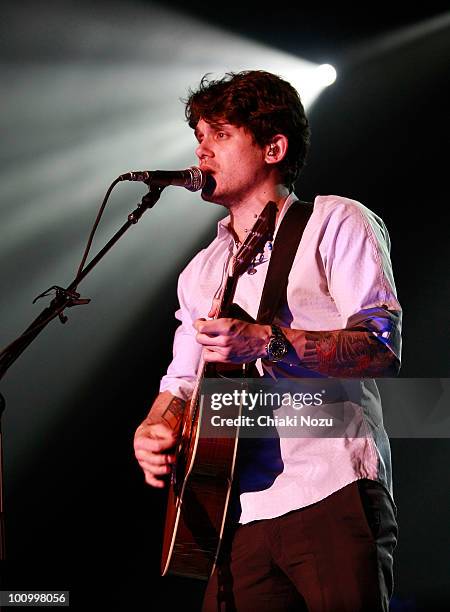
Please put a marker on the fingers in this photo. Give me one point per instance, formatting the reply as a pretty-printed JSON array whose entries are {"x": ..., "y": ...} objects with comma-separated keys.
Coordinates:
[
  {"x": 155, "y": 468},
  {"x": 152, "y": 460},
  {"x": 154, "y": 437},
  {"x": 153, "y": 482},
  {"x": 207, "y": 340},
  {"x": 214, "y": 327},
  {"x": 215, "y": 356},
  {"x": 215, "y": 334},
  {"x": 155, "y": 471},
  {"x": 151, "y": 445}
]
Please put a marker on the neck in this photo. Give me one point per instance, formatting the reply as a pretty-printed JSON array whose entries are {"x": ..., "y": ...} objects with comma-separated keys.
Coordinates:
[{"x": 244, "y": 214}]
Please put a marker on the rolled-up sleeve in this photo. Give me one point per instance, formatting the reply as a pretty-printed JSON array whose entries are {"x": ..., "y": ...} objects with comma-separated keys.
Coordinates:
[
  {"x": 360, "y": 278},
  {"x": 182, "y": 371}
]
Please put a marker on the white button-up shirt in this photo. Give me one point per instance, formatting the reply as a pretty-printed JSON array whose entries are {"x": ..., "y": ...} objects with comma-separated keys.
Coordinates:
[{"x": 341, "y": 278}]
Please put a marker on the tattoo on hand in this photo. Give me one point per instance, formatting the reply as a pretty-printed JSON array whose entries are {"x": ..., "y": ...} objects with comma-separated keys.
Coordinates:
[{"x": 173, "y": 413}]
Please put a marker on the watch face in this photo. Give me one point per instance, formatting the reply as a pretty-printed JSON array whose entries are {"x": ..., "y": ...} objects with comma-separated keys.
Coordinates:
[{"x": 277, "y": 348}]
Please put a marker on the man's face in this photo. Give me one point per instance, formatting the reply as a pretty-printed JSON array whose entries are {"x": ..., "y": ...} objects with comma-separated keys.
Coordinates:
[{"x": 231, "y": 156}]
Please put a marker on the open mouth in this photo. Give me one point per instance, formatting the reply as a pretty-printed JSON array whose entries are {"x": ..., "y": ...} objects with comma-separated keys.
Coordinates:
[{"x": 210, "y": 183}]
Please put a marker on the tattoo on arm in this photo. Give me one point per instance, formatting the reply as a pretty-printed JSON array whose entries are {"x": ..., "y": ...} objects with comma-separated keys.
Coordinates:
[
  {"x": 173, "y": 413},
  {"x": 346, "y": 353}
]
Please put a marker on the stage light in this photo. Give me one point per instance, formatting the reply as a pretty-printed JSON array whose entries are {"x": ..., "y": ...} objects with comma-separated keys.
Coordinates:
[{"x": 327, "y": 74}]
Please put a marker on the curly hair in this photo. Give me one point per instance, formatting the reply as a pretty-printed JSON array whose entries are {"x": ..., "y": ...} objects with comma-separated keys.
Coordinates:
[{"x": 261, "y": 102}]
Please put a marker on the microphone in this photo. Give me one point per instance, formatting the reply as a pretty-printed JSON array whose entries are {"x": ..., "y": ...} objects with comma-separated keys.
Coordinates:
[{"x": 192, "y": 178}]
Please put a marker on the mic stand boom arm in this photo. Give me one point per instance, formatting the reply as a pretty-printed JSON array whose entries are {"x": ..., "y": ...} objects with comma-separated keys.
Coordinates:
[{"x": 66, "y": 298}]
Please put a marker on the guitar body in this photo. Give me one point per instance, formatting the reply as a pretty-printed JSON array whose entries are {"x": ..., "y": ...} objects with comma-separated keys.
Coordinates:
[
  {"x": 201, "y": 481},
  {"x": 197, "y": 505}
]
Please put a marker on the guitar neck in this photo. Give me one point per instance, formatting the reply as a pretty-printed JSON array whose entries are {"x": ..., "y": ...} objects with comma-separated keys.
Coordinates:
[
  {"x": 254, "y": 243},
  {"x": 227, "y": 296}
]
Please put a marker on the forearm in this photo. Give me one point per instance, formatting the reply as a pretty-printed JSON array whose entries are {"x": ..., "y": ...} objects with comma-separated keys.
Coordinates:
[
  {"x": 340, "y": 353},
  {"x": 168, "y": 410},
  {"x": 352, "y": 353}
]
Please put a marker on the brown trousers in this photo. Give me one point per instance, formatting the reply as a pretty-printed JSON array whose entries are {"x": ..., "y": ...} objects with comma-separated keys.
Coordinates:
[{"x": 332, "y": 556}]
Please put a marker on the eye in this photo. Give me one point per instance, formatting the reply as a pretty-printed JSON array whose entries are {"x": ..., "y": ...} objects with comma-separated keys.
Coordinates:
[{"x": 221, "y": 135}]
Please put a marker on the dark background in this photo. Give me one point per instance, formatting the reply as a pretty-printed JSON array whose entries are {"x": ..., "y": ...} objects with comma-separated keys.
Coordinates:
[{"x": 78, "y": 514}]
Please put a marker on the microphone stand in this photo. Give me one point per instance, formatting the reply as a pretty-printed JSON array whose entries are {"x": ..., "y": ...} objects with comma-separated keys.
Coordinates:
[{"x": 64, "y": 298}]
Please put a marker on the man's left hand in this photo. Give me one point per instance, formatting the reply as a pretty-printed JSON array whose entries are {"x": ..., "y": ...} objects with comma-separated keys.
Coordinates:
[{"x": 232, "y": 340}]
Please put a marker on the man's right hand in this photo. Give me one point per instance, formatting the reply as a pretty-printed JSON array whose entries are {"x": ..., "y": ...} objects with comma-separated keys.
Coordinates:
[
  {"x": 156, "y": 437},
  {"x": 154, "y": 448}
]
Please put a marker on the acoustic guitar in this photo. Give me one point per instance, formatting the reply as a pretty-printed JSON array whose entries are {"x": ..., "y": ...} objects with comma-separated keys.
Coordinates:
[{"x": 201, "y": 479}]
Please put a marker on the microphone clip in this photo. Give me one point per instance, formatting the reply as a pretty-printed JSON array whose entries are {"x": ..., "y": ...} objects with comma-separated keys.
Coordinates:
[{"x": 63, "y": 297}]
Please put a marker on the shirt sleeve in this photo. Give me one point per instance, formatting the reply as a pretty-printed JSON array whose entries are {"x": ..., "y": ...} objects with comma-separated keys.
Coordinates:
[
  {"x": 359, "y": 274},
  {"x": 182, "y": 372}
]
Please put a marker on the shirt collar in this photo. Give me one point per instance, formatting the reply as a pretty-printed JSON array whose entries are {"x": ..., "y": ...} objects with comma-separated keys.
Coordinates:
[{"x": 223, "y": 231}]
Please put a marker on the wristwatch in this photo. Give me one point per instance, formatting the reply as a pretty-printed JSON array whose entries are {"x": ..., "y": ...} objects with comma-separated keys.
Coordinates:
[{"x": 277, "y": 346}]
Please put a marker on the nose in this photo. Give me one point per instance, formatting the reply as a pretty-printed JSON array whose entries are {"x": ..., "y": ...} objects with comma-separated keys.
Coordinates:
[{"x": 204, "y": 150}]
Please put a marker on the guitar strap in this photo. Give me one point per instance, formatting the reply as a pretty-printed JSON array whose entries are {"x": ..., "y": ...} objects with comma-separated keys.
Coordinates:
[{"x": 284, "y": 249}]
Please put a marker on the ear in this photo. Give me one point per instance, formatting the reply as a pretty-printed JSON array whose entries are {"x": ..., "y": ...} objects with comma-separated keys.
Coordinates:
[{"x": 276, "y": 150}]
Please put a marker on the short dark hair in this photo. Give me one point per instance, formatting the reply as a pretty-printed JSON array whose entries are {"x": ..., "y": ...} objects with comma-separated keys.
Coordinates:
[{"x": 264, "y": 104}]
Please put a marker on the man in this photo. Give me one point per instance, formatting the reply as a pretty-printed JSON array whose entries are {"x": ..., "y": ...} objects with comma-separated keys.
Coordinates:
[{"x": 319, "y": 531}]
